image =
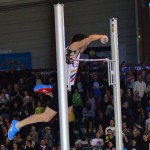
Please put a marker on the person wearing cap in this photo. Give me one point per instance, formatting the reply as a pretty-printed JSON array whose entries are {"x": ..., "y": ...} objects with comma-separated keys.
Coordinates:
[{"x": 78, "y": 45}]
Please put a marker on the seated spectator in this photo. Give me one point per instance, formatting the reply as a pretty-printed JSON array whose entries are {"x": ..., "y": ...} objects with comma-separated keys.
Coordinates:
[
  {"x": 15, "y": 146},
  {"x": 98, "y": 141},
  {"x": 147, "y": 91},
  {"x": 127, "y": 115},
  {"x": 39, "y": 108},
  {"x": 78, "y": 105},
  {"x": 111, "y": 126},
  {"x": 139, "y": 114},
  {"x": 136, "y": 135},
  {"x": 129, "y": 98},
  {"x": 88, "y": 116},
  {"x": 140, "y": 86},
  {"x": 129, "y": 80},
  {"x": 48, "y": 136},
  {"x": 4, "y": 105},
  {"x": 103, "y": 107},
  {"x": 2, "y": 124},
  {"x": 100, "y": 130},
  {"x": 17, "y": 95},
  {"x": 147, "y": 109},
  {"x": 15, "y": 110},
  {"x": 147, "y": 121},
  {"x": 28, "y": 105},
  {"x": 110, "y": 146},
  {"x": 126, "y": 131},
  {"x": 7, "y": 144},
  {"x": 110, "y": 137},
  {"x": 28, "y": 146},
  {"x": 144, "y": 143},
  {"x": 133, "y": 145},
  {"x": 2, "y": 147},
  {"x": 43, "y": 145},
  {"x": 34, "y": 135}
]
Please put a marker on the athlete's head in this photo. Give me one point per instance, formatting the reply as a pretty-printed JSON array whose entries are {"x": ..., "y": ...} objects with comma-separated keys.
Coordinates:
[{"x": 78, "y": 37}]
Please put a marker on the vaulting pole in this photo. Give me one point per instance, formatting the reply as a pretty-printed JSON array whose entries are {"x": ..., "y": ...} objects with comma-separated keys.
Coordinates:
[
  {"x": 116, "y": 86},
  {"x": 62, "y": 88}
]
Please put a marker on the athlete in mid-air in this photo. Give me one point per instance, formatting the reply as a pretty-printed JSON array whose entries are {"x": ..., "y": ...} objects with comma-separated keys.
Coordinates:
[{"x": 73, "y": 51}]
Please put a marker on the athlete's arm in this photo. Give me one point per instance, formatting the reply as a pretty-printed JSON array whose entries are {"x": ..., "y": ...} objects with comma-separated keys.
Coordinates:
[{"x": 83, "y": 43}]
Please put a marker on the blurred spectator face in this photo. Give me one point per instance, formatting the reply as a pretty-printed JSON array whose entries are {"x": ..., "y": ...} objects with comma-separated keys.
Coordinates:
[
  {"x": 128, "y": 91},
  {"x": 124, "y": 125},
  {"x": 136, "y": 132},
  {"x": 109, "y": 132},
  {"x": 15, "y": 104},
  {"x": 106, "y": 98},
  {"x": 1, "y": 119},
  {"x": 15, "y": 146},
  {"x": 26, "y": 93},
  {"x": 5, "y": 130},
  {"x": 33, "y": 128},
  {"x": 15, "y": 138},
  {"x": 2, "y": 147},
  {"x": 110, "y": 144},
  {"x": 143, "y": 74},
  {"x": 140, "y": 78},
  {"x": 16, "y": 87},
  {"x": 21, "y": 81},
  {"x": 125, "y": 105},
  {"x": 98, "y": 134},
  {"x": 148, "y": 128},
  {"x": 43, "y": 142},
  {"x": 39, "y": 104},
  {"x": 112, "y": 123},
  {"x": 9, "y": 87},
  {"x": 145, "y": 137},
  {"x": 28, "y": 138},
  {"x": 133, "y": 142},
  {"x": 47, "y": 129}
]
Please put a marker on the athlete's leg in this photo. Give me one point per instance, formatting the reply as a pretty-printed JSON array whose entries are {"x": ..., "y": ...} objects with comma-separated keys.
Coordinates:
[
  {"x": 44, "y": 117},
  {"x": 35, "y": 118}
]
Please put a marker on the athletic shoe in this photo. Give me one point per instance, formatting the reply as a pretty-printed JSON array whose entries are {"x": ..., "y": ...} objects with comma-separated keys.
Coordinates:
[
  {"x": 42, "y": 88},
  {"x": 13, "y": 130}
]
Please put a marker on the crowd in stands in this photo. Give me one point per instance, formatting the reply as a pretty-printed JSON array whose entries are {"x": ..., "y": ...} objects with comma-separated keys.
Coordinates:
[{"x": 93, "y": 103}]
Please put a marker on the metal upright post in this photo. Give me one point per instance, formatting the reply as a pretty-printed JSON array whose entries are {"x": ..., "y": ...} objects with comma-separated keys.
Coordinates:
[
  {"x": 62, "y": 89},
  {"x": 116, "y": 87}
]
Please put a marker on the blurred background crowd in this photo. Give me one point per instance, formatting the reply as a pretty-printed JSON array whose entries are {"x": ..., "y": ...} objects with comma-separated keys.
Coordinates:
[{"x": 91, "y": 124}]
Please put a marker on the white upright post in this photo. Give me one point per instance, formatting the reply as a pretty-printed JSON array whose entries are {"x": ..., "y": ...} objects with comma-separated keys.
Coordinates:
[
  {"x": 116, "y": 86},
  {"x": 62, "y": 89}
]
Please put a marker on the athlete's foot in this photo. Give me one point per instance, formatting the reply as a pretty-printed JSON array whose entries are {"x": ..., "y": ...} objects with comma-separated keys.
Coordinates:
[
  {"x": 42, "y": 88},
  {"x": 13, "y": 129}
]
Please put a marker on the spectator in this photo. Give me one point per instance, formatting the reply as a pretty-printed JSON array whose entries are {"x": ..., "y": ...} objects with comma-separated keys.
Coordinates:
[
  {"x": 4, "y": 105},
  {"x": 109, "y": 137},
  {"x": 133, "y": 145},
  {"x": 39, "y": 108},
  {"x": 17, "y": 95},
  {"x": 48, "y": 136},
  {"x": 97, "y": 142},
  {"x": 111, "y": 126},
  {"x": 147, "y": 121},
  {"x": 2, "y": 147},
  {"x": 43, "y": 145},
  {"x": 110, "y": 146},
  {"x": 78, "y": 105},
  {"x": 144, "y": 144},
  {"x": 140, "y": 86},
  {"x": 34, "y": 135},
  {"x": 88, "y": 116}
]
